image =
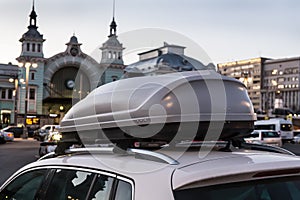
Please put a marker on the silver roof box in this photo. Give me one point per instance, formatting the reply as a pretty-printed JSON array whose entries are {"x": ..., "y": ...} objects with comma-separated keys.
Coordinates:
[{"x": 197, "y": 105}]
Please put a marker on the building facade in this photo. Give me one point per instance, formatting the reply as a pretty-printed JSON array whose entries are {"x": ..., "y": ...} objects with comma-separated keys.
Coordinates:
[
  {"x": 48, "y": 87},
  {"x": 272, "y": 83},
  {"x": 8, "y": 100},
  {"x": 281, "y": 84},
  {"x": 166, "y": 59},
  {"x": 249, "y": 72}
]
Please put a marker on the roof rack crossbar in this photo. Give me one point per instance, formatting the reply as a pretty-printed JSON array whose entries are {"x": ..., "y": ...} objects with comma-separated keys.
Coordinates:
[{"x": 155, "y": 155}]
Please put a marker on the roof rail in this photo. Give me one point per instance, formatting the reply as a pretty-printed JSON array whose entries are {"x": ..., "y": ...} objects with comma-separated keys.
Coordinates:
[
  {"x": 264, "y": 147},
  {"x": 152, "y": 155},
  {"x": 48, "y": 155},
  {"x": 202, "y": 143},
  {"x": 138, "y": 153}
]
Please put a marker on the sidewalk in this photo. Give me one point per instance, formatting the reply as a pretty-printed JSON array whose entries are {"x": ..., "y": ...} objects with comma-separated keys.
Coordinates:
[{"x": 27, "y": 139}]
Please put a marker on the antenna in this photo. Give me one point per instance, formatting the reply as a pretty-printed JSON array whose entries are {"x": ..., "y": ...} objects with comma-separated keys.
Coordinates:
[
  {"x": 114, "y": 5},
  {"x": 32, "y": 4}
]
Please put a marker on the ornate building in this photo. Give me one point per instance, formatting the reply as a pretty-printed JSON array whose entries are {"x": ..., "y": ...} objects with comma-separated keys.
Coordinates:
[
  {"x": 8, "y": 83},
  {"x": 54, "y": 84},
  {"x": 166, "y": 59}
]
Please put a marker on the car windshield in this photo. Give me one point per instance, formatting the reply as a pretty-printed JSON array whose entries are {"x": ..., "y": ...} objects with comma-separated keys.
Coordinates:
[
  {"x": 271, "y": 189},
  {"x": 253, "y": 135},
  {"x": 270, "y": 134},
  {"x": 265, "y": 127}
]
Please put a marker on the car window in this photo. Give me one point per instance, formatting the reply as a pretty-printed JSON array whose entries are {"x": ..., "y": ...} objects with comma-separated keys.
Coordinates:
[
  {"x": 254, "y": 135},
  {"x": 270, "y": 134},
  {"x": 102, "y": 188},
  {"x": 124, "y": 191},
  {"x": 265, "y": 127},
  {"x": 69, "y": 184},
  {"x": 25, "y": 186},
  {"x": 268, "y": 189}
]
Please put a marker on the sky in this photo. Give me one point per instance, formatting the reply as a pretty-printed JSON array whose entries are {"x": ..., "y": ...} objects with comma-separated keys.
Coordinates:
[{"x": 223, "y": 30}]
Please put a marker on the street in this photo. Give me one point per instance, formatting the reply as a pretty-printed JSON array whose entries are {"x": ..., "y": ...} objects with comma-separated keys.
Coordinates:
[{"x": 14, "y": 155}]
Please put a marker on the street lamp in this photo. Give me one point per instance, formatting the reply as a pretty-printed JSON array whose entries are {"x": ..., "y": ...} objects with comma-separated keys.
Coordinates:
[
  {"x": 61, "y": 110},
  {"x": 15, "y": 94},
  {"x": 27, "y": 66}
]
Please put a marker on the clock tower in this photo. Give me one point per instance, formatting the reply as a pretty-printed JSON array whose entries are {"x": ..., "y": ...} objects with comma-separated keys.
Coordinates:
[
  {"x": 31, "y": 53},
  {"x": 73, "y": 47},
  {"x": 112, "y": 56}
]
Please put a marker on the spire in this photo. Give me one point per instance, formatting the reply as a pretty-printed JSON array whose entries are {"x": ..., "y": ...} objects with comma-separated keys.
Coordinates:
[
  {"x": 113, "y": 28},
  {"x": 32, "y": 40},
  {"x": 33, "y": 16},
  {"x": 113, "y": 24}
]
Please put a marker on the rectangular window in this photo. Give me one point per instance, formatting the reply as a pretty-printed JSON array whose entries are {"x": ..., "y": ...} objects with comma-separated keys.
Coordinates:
[
  {"x": 39, "y": 47},
  {"x": 32, "y": 76},
  {"x": 33, "y": 47},
  {"x": 32, "y": 94},
  {"x": 10, "y": 94},
  {"x": 28, "y": 47},
  {"x": 3, "y": 94}
]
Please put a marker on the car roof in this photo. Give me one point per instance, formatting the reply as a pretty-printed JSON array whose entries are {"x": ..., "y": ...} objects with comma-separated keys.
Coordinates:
[{"x": 193, "y": 167}]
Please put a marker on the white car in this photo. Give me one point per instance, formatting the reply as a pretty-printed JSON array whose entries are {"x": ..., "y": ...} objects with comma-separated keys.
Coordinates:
[
  {"x": 269, "y": 137},
  {"x": 8, "y": 136},
  {"x": 212, "y": 173},
  {"x": 44, "y": 131}
]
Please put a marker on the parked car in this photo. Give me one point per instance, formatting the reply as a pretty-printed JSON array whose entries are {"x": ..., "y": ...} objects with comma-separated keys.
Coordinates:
[
  {"x": 16, "y": 130},
  {"x": 8, "y": 136},
  {"x": 42, "y": 133},
  {"x": 269, "y": 137}
]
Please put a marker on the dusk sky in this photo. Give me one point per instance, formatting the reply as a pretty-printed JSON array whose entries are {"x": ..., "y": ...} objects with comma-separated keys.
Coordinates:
[{"x": 227, "y": 30}]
